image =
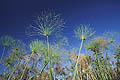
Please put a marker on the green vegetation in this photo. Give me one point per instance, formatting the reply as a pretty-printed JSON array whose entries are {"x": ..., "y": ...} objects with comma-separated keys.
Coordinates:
[{"x": 49, "y": 58}]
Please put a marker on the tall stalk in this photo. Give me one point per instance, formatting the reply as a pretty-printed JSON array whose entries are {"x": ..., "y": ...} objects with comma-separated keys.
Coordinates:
[
  {"x": 55, "y": 72},
  {"x": 5, "y": 68},
  {"x": 76, "y": 66},
  {"x": 2, "y": 53},
  {"x": 49, "y": 55},
  {"x": 43, "y": 69},
  {"x": 83, "y": 32},
  {"x": 46, "y": 24},
  {"x": 5, "y": 41}
]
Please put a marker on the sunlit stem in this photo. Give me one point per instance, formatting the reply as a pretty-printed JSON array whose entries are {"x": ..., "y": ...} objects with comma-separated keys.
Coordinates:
[
  {"x": 26, "y": 66},
  {"x": 87, "y": 76},
  {"x": 55, "y": 72},
  {"x": 2, "y": 54},
  {"x": 94, "y": 75},
  {"x": 30, "y": 78},
  {"x": 76, "y": 66},
  {"x": 48, "y": 45},
  {"x": 43, "y": 69},
  {"x": 49, "y": 55}
]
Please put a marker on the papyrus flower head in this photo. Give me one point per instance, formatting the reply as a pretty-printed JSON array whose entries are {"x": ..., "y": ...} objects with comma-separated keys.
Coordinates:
[
  {"x": 83, "y": 32},
  {"x": 6, "y": 40},
  {"x": 46, "y": 23}
]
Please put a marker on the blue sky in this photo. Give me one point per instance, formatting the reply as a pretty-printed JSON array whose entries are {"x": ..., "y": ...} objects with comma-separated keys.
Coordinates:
[{"x": 102, "y": 15}]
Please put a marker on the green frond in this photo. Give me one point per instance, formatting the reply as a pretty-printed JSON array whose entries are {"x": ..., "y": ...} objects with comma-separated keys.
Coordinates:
[
  {"x": 55, "y": 54},
  {"x": 37, "y": 46},
  {"x": 112, "y": 36},
  {"x": 6, "y": 40},
  {"x": 98, "y": 45},
  {"x": 18, "y": 47}
]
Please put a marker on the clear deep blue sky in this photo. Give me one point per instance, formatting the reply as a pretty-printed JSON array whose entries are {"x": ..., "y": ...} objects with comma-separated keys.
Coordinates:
[{"x": 16, "y": 15}]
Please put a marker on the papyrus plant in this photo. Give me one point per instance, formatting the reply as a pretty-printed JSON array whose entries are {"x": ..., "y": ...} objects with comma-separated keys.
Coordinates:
[
  {"x": 47, "y": 24},
  {"x": 117, "y": 57},
  {"x": 83, "y": 32},
  {"x": 99, "y": 45},
  {"x": 36, "y": 47},
  {"x": 18, "y": 50},
  {"x": 5, "y": 41}
]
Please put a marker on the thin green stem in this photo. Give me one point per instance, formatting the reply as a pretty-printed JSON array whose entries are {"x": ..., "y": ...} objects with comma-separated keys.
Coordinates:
[
  {"x": 43, "y": 69},
  {"x": 13, "y": 70},
  {"x": 76, "y": 66},
  {"x": 48, "y": 45},
  {"x": 4, "y": 69},
  {"x": 100, "y": 67},
  {"x": 49, "y": 55},
  {"x": 34, "y": 64},
  {"x": 106, "y": 68},
  {"x": 55, "y": 72},
  {"x": 30, "y": 78},
  {"x": 26, "y": 66},
  {"x": 7, "y": 70},
  {"x": 2, "y": 54}
]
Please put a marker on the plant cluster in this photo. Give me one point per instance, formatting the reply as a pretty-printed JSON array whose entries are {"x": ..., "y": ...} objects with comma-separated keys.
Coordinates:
[{"x": 47, "y": 60}]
